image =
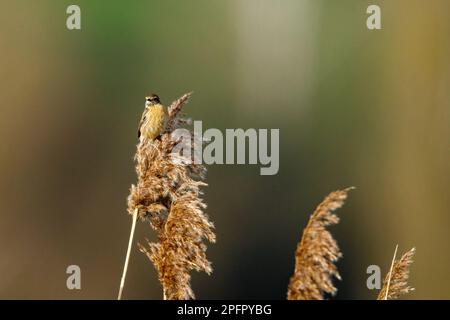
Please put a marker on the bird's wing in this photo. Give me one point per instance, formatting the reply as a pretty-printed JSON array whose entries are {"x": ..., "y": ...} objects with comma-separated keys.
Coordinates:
[{"x": 143, "y": 118}]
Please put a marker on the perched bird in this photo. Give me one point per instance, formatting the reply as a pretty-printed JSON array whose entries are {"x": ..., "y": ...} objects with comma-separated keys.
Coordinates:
[{"x": 154, "y": 119}]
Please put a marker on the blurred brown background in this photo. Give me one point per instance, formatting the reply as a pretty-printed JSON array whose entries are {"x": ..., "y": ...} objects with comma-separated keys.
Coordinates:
[{"x": 355, "y": 107}]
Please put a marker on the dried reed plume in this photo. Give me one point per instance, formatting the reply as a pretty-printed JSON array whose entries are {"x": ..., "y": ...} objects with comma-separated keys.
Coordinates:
[
  {"x": 317, "y": 252},
  {"x": 396, "y": 282},
  {"x": 168, "y": 195}
]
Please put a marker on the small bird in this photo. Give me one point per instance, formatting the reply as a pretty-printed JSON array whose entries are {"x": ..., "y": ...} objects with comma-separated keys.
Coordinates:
[{"x": 154, "y": 118}]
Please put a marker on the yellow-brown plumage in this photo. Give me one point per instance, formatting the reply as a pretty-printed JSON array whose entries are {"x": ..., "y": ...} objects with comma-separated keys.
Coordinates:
[{"x": 154, "y": 118}]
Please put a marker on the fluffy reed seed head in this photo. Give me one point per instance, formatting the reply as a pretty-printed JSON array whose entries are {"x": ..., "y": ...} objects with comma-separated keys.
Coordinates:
[
  {"x": 396, "y": 282},
  {"x": 317, "y": 252},
  {"x": 168, "y": 195}
]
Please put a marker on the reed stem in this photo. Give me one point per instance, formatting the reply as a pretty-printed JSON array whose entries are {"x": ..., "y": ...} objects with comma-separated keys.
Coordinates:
[
  {"x": 390, "y": 273},
  {"x": 127, "y": 259}
]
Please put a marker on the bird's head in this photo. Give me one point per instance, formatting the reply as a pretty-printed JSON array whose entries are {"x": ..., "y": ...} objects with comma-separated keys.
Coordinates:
[{"x": 151, "y": 100}]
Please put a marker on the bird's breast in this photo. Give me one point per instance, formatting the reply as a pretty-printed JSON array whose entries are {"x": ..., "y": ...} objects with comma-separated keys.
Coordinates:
[{"x": 155, "y": 121}]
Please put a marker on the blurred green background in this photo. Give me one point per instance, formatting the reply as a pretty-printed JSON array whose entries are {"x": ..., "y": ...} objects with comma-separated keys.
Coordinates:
[{"x": 354, "y": 107}]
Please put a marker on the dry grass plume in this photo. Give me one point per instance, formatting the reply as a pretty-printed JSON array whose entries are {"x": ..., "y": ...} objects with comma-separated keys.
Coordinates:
[
  {"x": 396, "y": 282},
  {"x": 317, "y": 252},
  {"x": 168, "y": 195}
]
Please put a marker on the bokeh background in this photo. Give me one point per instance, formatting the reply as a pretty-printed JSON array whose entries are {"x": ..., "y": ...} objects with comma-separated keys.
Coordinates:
[{"x": 354, "y": 107}]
